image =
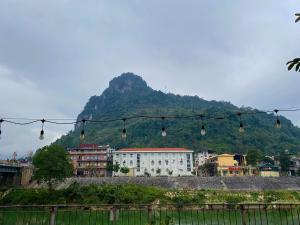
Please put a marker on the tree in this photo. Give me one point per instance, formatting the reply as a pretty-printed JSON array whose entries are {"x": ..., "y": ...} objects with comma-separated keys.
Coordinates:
[
  {"x": 284, "y": 160},
  {"x": 113, "y": 167},
  {"x": 253, "y": 157},
  {"x": 267, "y": 160},
  {"x": 124, "y": 170},
  {"x": 52, "y": 164},
  {"x": 295, "y": 62}
]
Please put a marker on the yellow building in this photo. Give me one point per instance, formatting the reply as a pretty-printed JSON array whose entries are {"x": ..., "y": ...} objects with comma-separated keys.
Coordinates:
[{"x": 227, "y": 165}]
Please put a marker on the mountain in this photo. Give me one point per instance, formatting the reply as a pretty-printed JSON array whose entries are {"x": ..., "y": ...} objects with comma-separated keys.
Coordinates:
[{"x": 129, "y": 95}]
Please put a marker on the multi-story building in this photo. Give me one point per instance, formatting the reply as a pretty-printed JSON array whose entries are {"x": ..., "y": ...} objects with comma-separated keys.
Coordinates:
[
  {"x": 202, "y": 157},
  {"x": 154, "y": 161},
  {"x": 228, "y": 165},
  {"x": 90, "y": 159}
]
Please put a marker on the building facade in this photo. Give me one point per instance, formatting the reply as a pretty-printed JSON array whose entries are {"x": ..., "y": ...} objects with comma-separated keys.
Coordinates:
[
  {"x": 154, "y": 161},
  {"x": 90, "y": 160},
  {"x": 268, "y": 170},
  {"x": 202, "y": 157},
  {"x": 229, "y": 165}
]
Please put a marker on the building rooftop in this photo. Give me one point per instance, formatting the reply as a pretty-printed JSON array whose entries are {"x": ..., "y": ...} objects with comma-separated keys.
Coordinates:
[{"x": 154, "y": 150}]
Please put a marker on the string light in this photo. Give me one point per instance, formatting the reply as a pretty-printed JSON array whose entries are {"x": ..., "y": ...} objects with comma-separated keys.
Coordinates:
[
  {"x": 124, "y": 135},
  {"x": 163, "y": 129},
  {"x": 241, "y": 128},
  {"x": 278, "y": 123},
  {"x": 1, "y": 121},
  {"x": 42, "y": 130},
  {"x": 229, "y": 115},
  {"x": 203, "y": 131},
  {"x": 82, "y": 131}
]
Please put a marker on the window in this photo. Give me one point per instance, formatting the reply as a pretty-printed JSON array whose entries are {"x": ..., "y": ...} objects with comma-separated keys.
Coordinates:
[
  {"x": 124, "y": 155},
  {"x": 131, "y": 163},
  {"x": 152, "y": 163},
  {"x": 124, "y": 163},
  {"x": 181, "y": 162},
  {"x": 159, "y": 162},
  {"x": 167, "y": 162},
  {"x": 131, "y": 155}
]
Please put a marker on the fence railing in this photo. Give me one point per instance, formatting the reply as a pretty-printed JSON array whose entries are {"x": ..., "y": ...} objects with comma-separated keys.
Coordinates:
[{"x": 177, "y": 214}]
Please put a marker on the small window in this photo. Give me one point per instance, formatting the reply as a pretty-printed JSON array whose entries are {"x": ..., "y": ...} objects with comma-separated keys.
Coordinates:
[
  {"x": 131, "y": 162},
  {"x": 159, "y": 162},
  {"x": 152, "y": 162},
  {"x": 124, "y": 163}
]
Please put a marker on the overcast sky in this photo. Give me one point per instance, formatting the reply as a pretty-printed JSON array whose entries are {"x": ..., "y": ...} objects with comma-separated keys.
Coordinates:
[{"x": 55, "y": 54}]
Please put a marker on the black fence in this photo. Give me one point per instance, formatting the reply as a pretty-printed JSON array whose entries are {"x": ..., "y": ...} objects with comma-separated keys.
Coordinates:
[{"x": 180, "y": 214}]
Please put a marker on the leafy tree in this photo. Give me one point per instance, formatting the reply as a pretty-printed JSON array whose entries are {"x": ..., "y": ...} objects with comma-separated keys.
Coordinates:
[
  {"x": 295, "y": 62},
  {"x": 124, "y": 170},
  {"x": 113, "y": 167},
  {"x": 253, "y": 157},
  {"x": 51, "y": 164},
  {"x": 284, "y": 160}
]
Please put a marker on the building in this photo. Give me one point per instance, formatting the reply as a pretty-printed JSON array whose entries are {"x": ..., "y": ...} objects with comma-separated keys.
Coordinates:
[
  {"x": 90, "y": 160},
  {"x": 295, "y": 166},
  {"x": 268, "y": 170},
  {"x": 228, "y": 165},
  {"x": 202, "y": 157},
  {"x": 154, "y": 161}
]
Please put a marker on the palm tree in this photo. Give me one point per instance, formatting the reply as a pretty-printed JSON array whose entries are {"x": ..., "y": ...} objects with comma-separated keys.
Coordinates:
[{"x": 295, "y": 62}]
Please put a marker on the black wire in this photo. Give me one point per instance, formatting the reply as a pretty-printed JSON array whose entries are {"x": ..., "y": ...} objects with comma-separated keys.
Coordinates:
[{"x": 136, "y": 116}]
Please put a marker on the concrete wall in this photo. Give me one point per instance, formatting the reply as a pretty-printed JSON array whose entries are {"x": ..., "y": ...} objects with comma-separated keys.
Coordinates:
[{"x": 221, "y": 183}]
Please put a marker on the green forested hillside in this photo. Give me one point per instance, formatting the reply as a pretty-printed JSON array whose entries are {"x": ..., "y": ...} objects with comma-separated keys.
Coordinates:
[{"x": 129, "y": 95}]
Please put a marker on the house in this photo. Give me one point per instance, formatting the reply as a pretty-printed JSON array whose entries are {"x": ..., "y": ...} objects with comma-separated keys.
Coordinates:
[
  {"x": 228, "y": 164},
  {"x": 154, "y": 161},
  {"x": 268, "y": 170},
  {"x": 202, "y": 157},
  {"x": 90, "y": 160},
  {"x": 295, "y": 166}
]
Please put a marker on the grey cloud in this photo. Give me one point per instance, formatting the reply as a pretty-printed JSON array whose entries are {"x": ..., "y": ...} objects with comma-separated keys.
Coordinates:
[{"x": 55, "y": 54}]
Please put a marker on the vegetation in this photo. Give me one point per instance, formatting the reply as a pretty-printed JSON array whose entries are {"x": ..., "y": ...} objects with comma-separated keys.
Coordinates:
[
  {"x": 124, "y": 170},
  {"x": 51, "y": 165},
  {"x": 138, "y": 194},
  {"x": 285, "y": 161},
  {"x": 295, "y": 62},
  {"x": 129, "y": 95},
  {"x": 254, "y": 157}
]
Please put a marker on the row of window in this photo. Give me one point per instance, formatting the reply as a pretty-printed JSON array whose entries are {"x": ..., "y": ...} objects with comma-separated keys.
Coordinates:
[
  {"x": 89, "y": 157},
  {"x": 152, "y": 154},
  {"x": 85, "y": 164},
  {"x": 160, "y": 162}
]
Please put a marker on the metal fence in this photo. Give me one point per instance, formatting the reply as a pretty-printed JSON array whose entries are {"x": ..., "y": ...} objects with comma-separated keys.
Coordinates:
[{"x": 180, "y": 214}]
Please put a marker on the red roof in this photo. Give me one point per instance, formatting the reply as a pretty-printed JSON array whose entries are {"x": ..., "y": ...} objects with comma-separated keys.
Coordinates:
[{"x": 154, "y": 150}]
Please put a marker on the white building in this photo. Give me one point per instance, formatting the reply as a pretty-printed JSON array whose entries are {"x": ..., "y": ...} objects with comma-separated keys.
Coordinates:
[
  {"x": 202, "y": 157},
  {"x": 154, "y": 161}
]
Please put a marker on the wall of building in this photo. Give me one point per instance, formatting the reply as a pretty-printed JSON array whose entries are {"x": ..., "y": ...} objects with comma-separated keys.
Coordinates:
[{"x": 155, "y": 163}]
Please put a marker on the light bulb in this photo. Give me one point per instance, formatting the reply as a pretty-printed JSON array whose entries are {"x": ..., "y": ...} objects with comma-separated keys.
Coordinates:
[
  {"x": 42, "y": 135},
  {"x": 278, "y": 124},
  {"x": 163, "y": 132},
  {"x": 124, "y": 135},
  {"x": 203, "y": 131},
  {"x": 82, "y": 135},
  {"x": 241, "y": 129}
]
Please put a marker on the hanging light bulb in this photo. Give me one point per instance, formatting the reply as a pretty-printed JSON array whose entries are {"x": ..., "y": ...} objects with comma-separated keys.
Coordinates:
[
  {"x": 241, "y": 128},
  {"x": 1, "y": 121},
  {"x": 278, "y": 123},
  {"x": 124, "y": 134},
  {"x": 163, "y": 129},
  {"x": 203, "y": 131},
  {"x": 82, "y": 131},
  {"x": 42, "y": 130}
]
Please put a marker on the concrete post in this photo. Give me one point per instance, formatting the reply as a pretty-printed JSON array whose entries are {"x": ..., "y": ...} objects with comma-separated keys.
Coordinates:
[{"x": 53, "y": 215}]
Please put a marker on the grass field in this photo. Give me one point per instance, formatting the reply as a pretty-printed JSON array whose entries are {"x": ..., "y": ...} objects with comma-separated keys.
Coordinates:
[{"x": 156, "y": 217}]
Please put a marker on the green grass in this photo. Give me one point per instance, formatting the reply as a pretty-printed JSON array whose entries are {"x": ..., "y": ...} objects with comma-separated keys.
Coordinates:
[{"x": 157, "y": 217}]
